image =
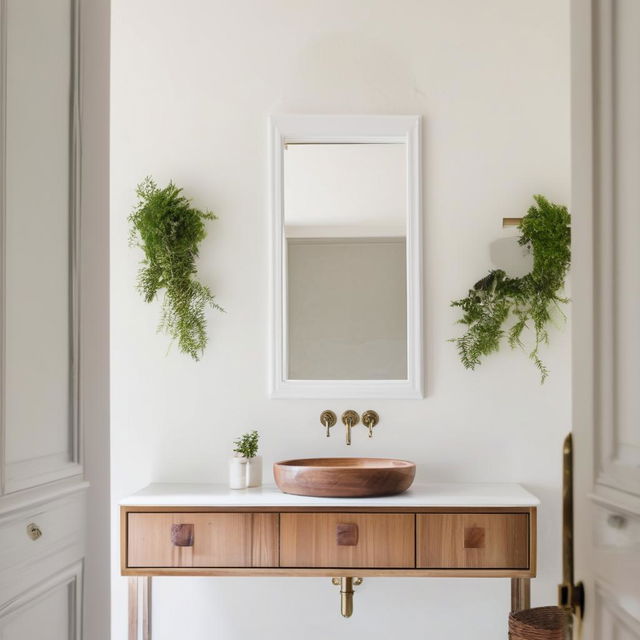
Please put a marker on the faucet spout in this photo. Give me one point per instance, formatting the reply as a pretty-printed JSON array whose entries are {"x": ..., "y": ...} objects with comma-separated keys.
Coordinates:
[{"x": 350, "y": 419}]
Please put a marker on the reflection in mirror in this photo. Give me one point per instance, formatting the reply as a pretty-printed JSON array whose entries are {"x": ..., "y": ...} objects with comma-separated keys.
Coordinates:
[{"x": 345, "y": 221}]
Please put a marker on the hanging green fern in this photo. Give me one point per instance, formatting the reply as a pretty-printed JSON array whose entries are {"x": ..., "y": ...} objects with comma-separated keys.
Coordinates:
[
  {"x": 529, "y": 300},
  {"x": 168, "y": 229}
]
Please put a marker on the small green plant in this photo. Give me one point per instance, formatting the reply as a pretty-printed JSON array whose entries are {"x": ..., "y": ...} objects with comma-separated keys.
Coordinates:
[
  {"x": 529, "y": 300},
  {"x": 247, "y": 444},
  {"x": 169, "y": 230}
]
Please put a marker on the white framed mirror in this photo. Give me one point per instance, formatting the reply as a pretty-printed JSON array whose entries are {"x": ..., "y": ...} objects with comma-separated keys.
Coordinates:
[{"x": 347, "y": 257}]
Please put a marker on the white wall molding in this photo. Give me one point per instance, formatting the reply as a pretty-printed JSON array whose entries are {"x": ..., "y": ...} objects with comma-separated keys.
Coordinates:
[
  {"x": 614, "y": 621},
  {"x": 70, "y": 579},
  {"x": 3, "y": 191},
  {"x": 14, "y": 506},
  {"x": 19, "y": 475},
  {"x": 614, "y": 471}
]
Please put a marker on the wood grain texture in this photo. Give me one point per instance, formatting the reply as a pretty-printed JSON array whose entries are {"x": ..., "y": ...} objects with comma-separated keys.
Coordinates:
[
  {"x": 442, "y": 541},
  {"x": 344, "y": 477},
  {"x": 132, "y": 626},
  {"x": 265, "y": 551},
  {"x": 533, "y": 541},
  {"x": 318, "y": 509},
  {"x": 324, "y": 572},
  {"x": 219, "y": 540},
  {"x": 267, "y": 546},
  {"x": 384, "y": 540},
  {"x": 146, "y": 608},
  {"x": 520, "y": 594}
]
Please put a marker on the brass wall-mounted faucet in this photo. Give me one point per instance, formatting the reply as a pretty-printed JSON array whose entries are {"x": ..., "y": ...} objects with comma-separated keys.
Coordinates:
[
  {"x": 350, "y": 419},
  {"x": 370, "y": 419},
  {"x": 328, "y": 419}
]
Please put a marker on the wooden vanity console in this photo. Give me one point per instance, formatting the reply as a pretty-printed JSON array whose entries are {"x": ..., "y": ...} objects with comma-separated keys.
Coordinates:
[{"x": 432, "y": 530}]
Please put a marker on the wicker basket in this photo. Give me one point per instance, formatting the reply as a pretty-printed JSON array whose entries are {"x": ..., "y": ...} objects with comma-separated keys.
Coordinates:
[{"x": 542, "y": 623}]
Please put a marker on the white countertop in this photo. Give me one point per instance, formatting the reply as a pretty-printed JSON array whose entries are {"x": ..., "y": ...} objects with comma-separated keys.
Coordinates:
[{"x": 162, "y": 494}]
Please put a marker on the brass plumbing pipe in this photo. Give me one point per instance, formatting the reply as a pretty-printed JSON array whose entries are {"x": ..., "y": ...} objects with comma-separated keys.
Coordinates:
[{"x": 346, "y": 594}]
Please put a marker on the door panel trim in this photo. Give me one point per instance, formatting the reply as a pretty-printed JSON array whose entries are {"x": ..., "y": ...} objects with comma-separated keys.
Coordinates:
[{"x": 71, "y": 578}]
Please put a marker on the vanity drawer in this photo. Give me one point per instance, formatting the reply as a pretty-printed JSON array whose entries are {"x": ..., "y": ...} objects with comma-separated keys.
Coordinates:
[
  {"x": 202, "y": 540},
  {"x": 347, "y": 540},
  {"x": 472, "y": 541}
]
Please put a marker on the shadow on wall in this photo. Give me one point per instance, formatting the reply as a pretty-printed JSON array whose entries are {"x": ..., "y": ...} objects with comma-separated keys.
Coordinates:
[{"x": 508, "y": 255}]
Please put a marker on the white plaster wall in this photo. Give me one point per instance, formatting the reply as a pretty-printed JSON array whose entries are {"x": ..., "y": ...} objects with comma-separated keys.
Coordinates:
[{"x": 192, "y": 85}]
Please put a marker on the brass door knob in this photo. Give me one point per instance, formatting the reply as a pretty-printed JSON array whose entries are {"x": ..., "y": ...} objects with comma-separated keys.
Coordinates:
[
  {"x": 34, "y": 531},
  {"x": 616, "y": 521}
]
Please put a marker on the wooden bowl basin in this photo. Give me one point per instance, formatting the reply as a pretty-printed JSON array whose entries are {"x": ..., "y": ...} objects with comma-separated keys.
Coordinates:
[{"x": 344, "y": 477}]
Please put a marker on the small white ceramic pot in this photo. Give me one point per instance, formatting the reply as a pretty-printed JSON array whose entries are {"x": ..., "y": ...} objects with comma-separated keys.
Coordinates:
[
  {"x": 254, "y": 472},
  {"x": 238, "y": 472}
]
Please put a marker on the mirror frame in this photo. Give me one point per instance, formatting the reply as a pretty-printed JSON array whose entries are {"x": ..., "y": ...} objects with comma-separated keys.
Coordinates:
[{"x": 403, "y": 129}]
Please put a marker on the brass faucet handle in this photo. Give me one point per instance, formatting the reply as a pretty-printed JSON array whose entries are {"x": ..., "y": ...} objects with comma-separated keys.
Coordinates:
[
  {"x": 370, "y": 419},
  {"x": 328, "y": 418},
  {"x": 350, "y": 418}
]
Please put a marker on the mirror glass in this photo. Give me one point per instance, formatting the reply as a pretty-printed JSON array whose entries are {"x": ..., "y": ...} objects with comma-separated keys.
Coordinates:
[{"x": 345, "y": 260}]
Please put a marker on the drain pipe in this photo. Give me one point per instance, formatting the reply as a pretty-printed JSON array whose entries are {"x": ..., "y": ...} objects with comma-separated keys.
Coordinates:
[{"x": 346, "y": 594}]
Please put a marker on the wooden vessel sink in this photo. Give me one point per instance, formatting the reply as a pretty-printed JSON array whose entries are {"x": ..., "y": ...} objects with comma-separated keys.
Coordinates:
[{"x": 344, "y": 477}]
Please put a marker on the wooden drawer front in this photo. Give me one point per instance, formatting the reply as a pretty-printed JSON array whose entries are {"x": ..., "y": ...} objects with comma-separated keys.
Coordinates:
[
  {"x": 473, "y": 541},
  {"x": 202, "y": 540},
  {"x": 347, "y": 540}
]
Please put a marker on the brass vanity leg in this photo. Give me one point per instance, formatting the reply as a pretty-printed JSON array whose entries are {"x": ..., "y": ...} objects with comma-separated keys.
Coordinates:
[
  {"x": 520, "y": 594},
  {"x": 133, "y": 609}
]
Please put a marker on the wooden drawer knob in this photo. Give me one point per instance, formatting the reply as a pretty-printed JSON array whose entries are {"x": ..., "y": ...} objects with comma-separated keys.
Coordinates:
[
  {"x": 474, "y": 538},
  {"x": 347, "y": 535},
  {"x": 182, "y": 535}
]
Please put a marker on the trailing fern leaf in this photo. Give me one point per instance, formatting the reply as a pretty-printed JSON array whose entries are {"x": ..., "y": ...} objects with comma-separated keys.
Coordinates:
[
  {"x": 169, "y": 230},
  {"x": 529, "y": 300}
]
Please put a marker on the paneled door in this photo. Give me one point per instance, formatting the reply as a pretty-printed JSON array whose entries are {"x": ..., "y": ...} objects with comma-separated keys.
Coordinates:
[
  {"x": 48, "y": 347},
  {"x": 606, "y": 299}
]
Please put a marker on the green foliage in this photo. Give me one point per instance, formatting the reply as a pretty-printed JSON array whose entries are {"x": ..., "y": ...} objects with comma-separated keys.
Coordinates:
[
  {"x": 529, "y": 300},
  {"x": 168, "y": 229},
  {"x": 247, "y": 444}
]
